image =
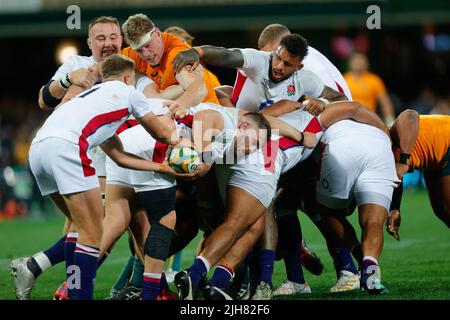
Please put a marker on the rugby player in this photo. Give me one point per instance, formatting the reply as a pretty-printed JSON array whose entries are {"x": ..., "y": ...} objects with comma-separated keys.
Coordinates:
[
  {"x": 104, "y": 39},
  {"x": 422, "y": 142},
  {"x": 79, "y": 125}
]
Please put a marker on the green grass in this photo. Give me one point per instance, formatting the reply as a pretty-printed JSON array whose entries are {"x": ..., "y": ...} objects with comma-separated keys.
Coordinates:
[{"x": 417, "y": 267}]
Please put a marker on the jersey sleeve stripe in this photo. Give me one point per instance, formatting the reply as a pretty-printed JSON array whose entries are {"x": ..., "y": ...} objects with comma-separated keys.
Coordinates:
[
  {"x": 91, "y": 128},
  {"x": 240, "y": 80}
]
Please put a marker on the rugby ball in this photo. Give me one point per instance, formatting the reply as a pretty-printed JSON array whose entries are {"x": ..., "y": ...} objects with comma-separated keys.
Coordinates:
[{"x": 184, "y": 160}]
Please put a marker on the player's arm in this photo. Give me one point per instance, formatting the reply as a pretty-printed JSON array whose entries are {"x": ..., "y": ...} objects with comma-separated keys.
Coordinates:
[
  {"x": 53, "y": 92},
  {"x": 319, "y": 95},
  {"x": 281, "y": 107},
  {"x": 394, "y": 218},
  {"x": 151, "y": 89},
  {"x": 170, "y": 93},
  {"x": 386, "y": 108},
  {"x": 332, "y": 95},
  {"x": 114, "y": 149},
  {"x": 353, "y": 110},
  {"x": 214, "y": 56},
  {"x": 158, "y": 129},
  {"x": 306, "y": 139},
  {"x": 404, "y": 134},
  {"x": 206, "y": 125},
  {"x": 195, "y": 91}
]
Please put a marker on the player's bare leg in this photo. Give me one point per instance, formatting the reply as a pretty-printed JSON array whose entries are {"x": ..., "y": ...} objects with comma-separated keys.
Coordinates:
[
  {"x": 118, "y": 207},
  {"x": 438, "y": 191},
  {"x": 371, "y": 219},
  {"x": 243, "y": 210}
]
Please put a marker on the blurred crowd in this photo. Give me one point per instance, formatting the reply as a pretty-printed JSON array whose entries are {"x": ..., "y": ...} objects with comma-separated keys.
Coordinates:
[{"x": 20, "y": 118}]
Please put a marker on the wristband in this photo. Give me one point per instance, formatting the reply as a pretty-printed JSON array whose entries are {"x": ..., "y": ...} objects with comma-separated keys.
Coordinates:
[
  {"x": 302, "y": 139},
  {"x": 65, "y": 81},
  {"x": 324, "y": 101},
  {"x": 162, "y": 168}
]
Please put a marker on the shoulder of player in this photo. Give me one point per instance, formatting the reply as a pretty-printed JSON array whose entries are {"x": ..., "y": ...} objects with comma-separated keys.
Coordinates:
[
  {"x": 173, "y": 45},
  {"x": 80, "y": 61}
]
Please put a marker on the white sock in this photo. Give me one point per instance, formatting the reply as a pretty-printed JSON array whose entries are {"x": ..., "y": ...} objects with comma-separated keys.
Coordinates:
[
  {"x": 42, "y": 260},
  {"x": 205, "y": 262},
  {"x": 371, "y": 259}
]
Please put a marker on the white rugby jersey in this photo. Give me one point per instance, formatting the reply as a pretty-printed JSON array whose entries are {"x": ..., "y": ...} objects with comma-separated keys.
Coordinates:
[
  {"x": 253, "y": 89},
  {"x": 327, "y": 72},
  {"x": 281, "y": 153},
  {"x": 93, "y": 116},
  {"x": 138, "y": 141},
  {"x": 223, "y": 141},
  {"x": 73, "y": 63}
]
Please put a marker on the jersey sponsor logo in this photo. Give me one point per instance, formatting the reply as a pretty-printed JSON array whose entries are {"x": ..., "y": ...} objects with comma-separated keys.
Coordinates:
[{"x": 290, "y": 90}]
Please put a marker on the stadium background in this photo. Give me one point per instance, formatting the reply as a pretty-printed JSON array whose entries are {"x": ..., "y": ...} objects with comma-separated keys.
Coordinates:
[{"x": 411, "y": 53}]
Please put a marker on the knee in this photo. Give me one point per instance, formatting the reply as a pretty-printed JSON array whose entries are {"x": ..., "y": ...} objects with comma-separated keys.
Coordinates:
[
  {"x": 169, "y": 220},
  {"x": 158, "y": 241}
]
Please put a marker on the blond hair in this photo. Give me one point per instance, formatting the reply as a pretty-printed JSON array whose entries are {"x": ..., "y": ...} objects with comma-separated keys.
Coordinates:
[
  {"x": 271, "y": 33},
  {"x": 104, "y": 19},
  {"x": 181, "y": 34},
  {"x": 115, "y": 65},
  {"x": 136, "y": 26}
]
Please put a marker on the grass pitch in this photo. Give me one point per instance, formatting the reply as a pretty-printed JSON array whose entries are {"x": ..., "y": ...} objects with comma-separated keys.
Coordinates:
[{"x": 417, "y": 267}]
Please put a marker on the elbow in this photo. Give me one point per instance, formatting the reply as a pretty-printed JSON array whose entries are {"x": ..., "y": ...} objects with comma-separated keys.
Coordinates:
[
  {"x": 41, "y": 102},
  {"x": 411, "y": 115},
  {"x": 165, "y": 136}
]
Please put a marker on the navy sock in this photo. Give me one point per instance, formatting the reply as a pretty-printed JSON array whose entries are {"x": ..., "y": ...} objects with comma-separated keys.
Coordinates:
[
  {"x": 69, "y": 248},
  {"x": 163, "y": 284},
  {"x": 357, "y": 254},
  {"x": 221, "y": 277},
  {"x": 150, "y": 286},
  {"x": 266, "y": 263},
  {"x": 56, "y": 253},
  {"x": 293, "y": 265},
  {"x": 80, "y": 282},
  {"x": 198, "y": 270},
  {"x": 138, "y": 273},
  {"x": 344, "y": 260}
]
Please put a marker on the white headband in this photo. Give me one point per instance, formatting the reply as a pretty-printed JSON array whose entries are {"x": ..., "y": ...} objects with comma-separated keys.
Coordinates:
[{"x": 142, "y": 40}]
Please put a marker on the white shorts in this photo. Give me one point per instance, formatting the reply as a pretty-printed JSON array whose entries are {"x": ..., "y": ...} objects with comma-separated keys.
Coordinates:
[
  {"x": 117, "y": 175},
  {"x": 249, "y": 177},
  {"x": 57, "y": 167},
  {"x": 136, "y": 140},
  {"x": 98, "y": 161},
  {"x": 362, "y": 167}
]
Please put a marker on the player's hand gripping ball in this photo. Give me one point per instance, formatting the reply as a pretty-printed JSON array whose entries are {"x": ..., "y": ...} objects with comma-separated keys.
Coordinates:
[{"x": 184, "y": 159}]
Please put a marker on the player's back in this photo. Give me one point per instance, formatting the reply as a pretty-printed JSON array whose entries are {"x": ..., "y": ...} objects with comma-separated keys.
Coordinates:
[
  {"x": 354, "y": 131},
  {"x": 433, "y": 141},
  {"x": 99, "y": 110}
]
